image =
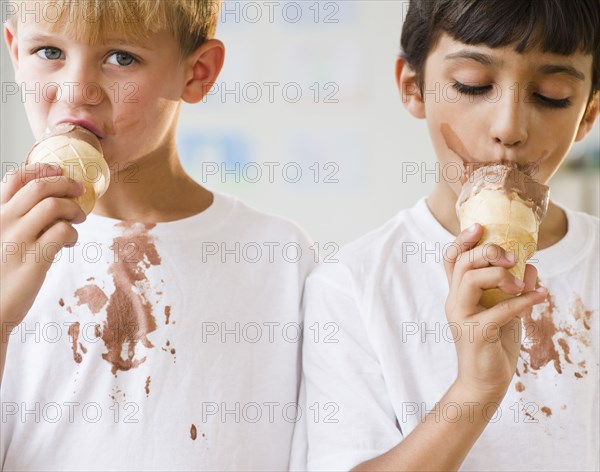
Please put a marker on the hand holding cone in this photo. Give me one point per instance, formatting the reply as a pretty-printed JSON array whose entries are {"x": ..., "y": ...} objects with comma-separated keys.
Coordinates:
[{"x": 510, "y": 206}]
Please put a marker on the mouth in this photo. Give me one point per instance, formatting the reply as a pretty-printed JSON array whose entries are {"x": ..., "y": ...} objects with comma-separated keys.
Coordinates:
[{"x": 84, "y": 124}]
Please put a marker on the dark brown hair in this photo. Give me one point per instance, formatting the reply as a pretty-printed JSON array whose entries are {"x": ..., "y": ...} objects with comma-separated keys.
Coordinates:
[{"x": 556, "y": 26}]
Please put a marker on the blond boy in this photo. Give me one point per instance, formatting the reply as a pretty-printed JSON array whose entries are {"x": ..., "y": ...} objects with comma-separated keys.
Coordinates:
[{"x": 162, "y": 333}]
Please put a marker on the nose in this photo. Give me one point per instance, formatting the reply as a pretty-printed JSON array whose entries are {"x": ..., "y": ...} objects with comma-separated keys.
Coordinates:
[
  {"x": 509, "y": 123},
  {"x": 82, "y": 84}
]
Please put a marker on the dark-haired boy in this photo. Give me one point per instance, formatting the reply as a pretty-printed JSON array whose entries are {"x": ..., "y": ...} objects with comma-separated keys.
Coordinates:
[{"x": 409, "y": 386}]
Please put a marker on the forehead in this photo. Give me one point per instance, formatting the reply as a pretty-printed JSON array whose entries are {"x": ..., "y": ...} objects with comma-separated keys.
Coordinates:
[{"x": 449, "y": 50}]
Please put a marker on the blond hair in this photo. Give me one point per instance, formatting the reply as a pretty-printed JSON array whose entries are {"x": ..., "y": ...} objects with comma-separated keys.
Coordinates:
[{"x": 191, "y": 21}]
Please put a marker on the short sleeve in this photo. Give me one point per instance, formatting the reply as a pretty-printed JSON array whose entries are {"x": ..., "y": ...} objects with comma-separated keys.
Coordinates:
[{"x": 350, "y": 418}]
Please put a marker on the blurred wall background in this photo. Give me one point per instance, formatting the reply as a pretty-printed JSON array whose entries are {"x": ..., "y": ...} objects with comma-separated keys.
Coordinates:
[{"x": 305, "y": 120}]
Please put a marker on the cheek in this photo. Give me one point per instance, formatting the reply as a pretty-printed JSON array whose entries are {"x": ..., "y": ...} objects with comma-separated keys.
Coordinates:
[{"x": 551, "y": 141}]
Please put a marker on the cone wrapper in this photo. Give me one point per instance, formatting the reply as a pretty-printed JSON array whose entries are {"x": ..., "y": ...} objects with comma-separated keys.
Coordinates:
[
  {"x": 79, "y": 153},
  {"x": 510, "y": 206}
]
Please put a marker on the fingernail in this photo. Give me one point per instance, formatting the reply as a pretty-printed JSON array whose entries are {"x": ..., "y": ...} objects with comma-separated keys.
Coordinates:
[
  {"x": 54, "y": 168},
  {"x": 519, "y": 283},
  {"x": 472, "y": 229},
  {"x": 511, "y": 257},
  {"x": 541, "y": 290}
]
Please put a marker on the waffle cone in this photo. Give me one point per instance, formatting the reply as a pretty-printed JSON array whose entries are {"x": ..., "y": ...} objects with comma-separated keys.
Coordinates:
[
  {"x": 508, "y": 222},
  {"x": 80, "y": 160}
]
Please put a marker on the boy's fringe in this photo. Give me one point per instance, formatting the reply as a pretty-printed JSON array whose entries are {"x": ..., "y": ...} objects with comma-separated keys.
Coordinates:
[{"x": 191, "y": 21}]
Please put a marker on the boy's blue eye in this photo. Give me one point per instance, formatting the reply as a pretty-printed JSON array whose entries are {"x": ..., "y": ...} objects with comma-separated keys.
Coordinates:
[
  {"x": 122, "y": 59},
  {"x": 52, "y": 54}
]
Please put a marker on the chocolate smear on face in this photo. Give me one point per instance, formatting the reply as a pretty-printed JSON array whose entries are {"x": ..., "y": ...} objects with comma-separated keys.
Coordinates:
[
  {"x": 129, "y": 317},
  {"x": 92, "y": 296},
  {"x": 74, "y": 333},
  {"x": 193, "y": 432},
  {"x": 455, "y": 144}
]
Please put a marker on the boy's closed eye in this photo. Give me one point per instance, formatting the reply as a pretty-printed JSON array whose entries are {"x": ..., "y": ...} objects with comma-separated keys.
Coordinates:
[{"x": 485, "y": 89}]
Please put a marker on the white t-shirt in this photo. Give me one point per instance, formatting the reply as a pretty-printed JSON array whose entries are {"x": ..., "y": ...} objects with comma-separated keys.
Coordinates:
[
  {"x": 378, "y": 352},
  {"x": 166, "y": 347}
]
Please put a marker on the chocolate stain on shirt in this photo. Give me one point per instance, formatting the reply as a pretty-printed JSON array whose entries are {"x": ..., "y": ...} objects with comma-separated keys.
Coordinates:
[
  {"x": 549, "y": 339},
  {"x": 582, "y": 316},
  {"x": 546, "y": 411},
  {"x": 519, "y": 387},
  {"x": 542, "y": 349},
  {"x": 129, "y": 317},
  {"x": 61, "y": 302},
  {"x": 92, "y": 296},
  {"x": 193, "y": 432},
  {"x": 117, "y": 394},
  {"x": 147, "y": 387},
  {"x": 167, "y": 314},
  {"x": 566, "y": 349},
  {"x": 74, "y": 334}
]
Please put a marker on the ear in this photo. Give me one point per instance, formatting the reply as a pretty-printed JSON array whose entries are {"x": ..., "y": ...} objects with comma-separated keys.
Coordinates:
[
  {"x": 10, "y": 37},
  {"x": 588, "y": 120},
  {"x": 202, "y": 69},
  {"x": 406, "y": 78}
]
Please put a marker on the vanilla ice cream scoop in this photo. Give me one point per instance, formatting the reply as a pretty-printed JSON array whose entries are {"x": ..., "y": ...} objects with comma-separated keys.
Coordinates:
[
  {"x": 79, "y": 153},
  {"x": 510, "y": 206}
]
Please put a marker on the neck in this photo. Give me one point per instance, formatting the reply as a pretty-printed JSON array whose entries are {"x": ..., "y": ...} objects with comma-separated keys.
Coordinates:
[
  {"x": 442, "y": 202},
  {"x": 153, "y": 189}
]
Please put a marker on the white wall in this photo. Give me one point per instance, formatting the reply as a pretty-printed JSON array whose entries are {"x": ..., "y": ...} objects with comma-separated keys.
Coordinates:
[{"x": 364, "y": 136}]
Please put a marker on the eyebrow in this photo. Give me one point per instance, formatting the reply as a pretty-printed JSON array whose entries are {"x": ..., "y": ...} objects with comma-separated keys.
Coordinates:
[
  {"x": 487, "y": 60},
  {"x": 484, "y": 59},
  {"x": 48, "y": 38},
  {"x": 40, "y": 37},
  {"x": 549, "y": 69}
]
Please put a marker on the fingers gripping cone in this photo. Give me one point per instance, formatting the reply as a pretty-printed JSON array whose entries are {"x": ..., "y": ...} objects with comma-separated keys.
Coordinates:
[
  {"x": 510, "y": 206},
  {"x": 79, "y": 153}
]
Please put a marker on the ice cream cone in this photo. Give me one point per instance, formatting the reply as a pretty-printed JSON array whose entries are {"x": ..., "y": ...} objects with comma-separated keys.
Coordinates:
[
  {"x": 510, "y": 206},
  {"x": 78, "y": 152}
]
